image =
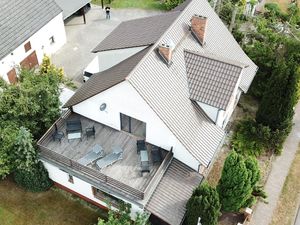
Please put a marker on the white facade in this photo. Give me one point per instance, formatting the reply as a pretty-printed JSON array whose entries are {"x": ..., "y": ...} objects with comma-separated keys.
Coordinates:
[
  {"x": 81, "y": 187},
  {"x": 41, "y": 42},
  {"x": 123, "y": 98},
  {"x": 107, "y": 59}
]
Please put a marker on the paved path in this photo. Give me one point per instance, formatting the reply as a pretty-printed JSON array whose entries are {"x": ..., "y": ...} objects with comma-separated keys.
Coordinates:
[
  {"x": 76, "y": 54},
  {"x": 280, "y": 168}
]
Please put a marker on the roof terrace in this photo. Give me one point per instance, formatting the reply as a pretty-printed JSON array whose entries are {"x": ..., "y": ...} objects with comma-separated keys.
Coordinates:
[{"x": 122, "y": 173}]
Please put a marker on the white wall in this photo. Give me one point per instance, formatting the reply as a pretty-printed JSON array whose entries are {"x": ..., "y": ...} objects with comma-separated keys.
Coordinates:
[
  {"x": 39, "y": 42},
  {"x": 107, "y": 59},
  {"x": 80, "y": 186},
  {"x": 123, "y": 98},
  {"x": 211, "y": 112}
]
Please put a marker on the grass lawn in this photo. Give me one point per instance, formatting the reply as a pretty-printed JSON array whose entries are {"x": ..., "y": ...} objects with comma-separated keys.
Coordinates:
[
  {"x": 289, "y": 199},
  {"x": 142, "y": 4},
  {"x": 54, "y": 207}
]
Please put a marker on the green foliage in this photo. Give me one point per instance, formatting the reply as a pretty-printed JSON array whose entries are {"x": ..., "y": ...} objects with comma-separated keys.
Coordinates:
[
  {"x": 204, "y": 203},
  {"x": 36, "y": 179},
  {"x": 170, "y": 4},
  {"x": 237, "y": 181},
  {"x": 123, "y": 217},
  {"x": 273, "y": 8},
  {"x": 8, "y": 135},
  {"x": 276, "y": 108},
  {"x": 251, "y": 138},
  {"x": 33, "y": 103},
  {"x": 25, "y": 155}
]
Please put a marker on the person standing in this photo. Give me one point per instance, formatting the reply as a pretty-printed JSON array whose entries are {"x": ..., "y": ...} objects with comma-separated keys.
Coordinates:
[{"x": 107, "y": 11}]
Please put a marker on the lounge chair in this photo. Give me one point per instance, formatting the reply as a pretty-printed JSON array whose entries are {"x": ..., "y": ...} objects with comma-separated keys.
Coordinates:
[
  {"x": 111, "y": 158},
  {"x": 96, "y": 153}
]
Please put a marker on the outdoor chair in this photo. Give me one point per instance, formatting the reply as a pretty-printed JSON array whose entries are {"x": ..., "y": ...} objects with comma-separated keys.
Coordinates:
[
  {"x": 141, "y": 145},
  {"x": 74, "y": 129},
  {"x": 145, "y": 167},
  {"x": 95, "y": 153},
  {"x": 90, "y": 131},
  {"x": 156, "y": 154},
  {"x": 57, "y": 135}
]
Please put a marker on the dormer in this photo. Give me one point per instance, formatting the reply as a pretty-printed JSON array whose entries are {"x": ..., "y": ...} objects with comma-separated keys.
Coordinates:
[{"x": 198, "y": 27}]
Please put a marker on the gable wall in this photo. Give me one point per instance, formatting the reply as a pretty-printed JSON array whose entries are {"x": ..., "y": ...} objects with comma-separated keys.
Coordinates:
[
  {"x": 39, "y": 42},
  {"x": 123, "y": 98}
]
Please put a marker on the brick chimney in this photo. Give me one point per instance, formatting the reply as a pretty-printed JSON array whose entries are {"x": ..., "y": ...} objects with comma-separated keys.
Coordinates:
[
  {"x": 198, "y": 27},
  {"x": 165, "y": 51}
]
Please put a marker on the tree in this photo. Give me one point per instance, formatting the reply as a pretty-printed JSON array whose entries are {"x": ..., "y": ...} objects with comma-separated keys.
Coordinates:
[
  {"x": 8, "y": 134},
  {"x": 122, "y": 216},
  {"x": 33, "y": 103},
  {"x": 237, "y": 4},
  {"x": 235, "y": 185},
  {"x": 276, "y": 108},
  {"x": 25, "y": 155},
  {"x": 204, "y": 203},
  {"x": 36, "y": 179}
]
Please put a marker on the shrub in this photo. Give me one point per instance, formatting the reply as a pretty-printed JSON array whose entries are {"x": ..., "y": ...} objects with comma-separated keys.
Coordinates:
[
  {"x": 204, "y": 203},
  {"x": 35, "y": 180},
  {"x": 251, "y": 138},
  {"x": 170, "y": 4},
  {"x": 239, "y": 176}
]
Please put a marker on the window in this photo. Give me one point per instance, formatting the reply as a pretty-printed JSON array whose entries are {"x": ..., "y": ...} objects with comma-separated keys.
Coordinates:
[
  {"x": 71, "y": 180},
  {"x": 107, "y": 198},
  {"x": 51, "y": 40},
  {"x": 133, "y": 126},
  {"x": 27, "y": 46}
]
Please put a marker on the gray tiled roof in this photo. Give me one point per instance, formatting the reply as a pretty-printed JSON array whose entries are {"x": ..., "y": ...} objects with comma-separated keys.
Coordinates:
[
  {"x": 138, "y": 32},
  {"x": 20, "y": 19},
  {"x": 70, "y": 7},
  {"x": 106, "y": 79},
  {"x": 211, "y": 80},
  {"x": 172, "y": 193},
  {"x": 166, "y": 91}
]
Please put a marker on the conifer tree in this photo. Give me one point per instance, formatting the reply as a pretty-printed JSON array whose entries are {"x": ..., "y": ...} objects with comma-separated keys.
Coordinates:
[
  {"x": 234, "y": 187},
  {"x": 205, "y": 204}
]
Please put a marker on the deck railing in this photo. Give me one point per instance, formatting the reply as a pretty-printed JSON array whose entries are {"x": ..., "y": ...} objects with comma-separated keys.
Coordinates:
[{"x": 93, "y": 174}]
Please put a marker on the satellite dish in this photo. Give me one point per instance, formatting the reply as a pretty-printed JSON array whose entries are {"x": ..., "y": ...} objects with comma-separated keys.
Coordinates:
[{"x": 103, "y": 106}]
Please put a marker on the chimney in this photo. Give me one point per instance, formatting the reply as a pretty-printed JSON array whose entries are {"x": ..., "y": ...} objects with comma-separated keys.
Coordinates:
[
  {"x": 198, "y": 26},
  {"x": 165, "y": 51}
]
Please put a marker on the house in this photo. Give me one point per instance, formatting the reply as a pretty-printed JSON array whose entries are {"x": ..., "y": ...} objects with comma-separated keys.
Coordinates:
[
  {"x": 176, "y": 82},
  {"x": 28, "y": 30},
  {"x": 71, "y": 7}
]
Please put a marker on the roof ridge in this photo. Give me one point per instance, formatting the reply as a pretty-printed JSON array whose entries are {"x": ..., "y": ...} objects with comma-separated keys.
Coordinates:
[{"x": 217, "y": 58}]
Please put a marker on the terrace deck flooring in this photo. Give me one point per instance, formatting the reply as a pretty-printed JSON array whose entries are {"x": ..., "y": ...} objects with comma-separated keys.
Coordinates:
[{"x": 126, "y": 170}]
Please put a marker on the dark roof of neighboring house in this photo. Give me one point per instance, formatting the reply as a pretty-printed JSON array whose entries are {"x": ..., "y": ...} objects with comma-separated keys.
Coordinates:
[
  {"x": 103, "y": 80},
  {"x": 211, "y": 79},
  {"x": 175, "y": 188},
  {"x": 70, "y": 7},
  {"x": 20, "y": 19},
  {"x": 138, "y": 32}
]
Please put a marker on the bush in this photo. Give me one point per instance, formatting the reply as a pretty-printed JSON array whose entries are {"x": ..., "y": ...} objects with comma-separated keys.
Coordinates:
[
  {"x": 36, "y": 180},
  {"x": 204, "y": 203},
  {"x": 170, "y": 4},
  {"x": 251, "y": 138}
]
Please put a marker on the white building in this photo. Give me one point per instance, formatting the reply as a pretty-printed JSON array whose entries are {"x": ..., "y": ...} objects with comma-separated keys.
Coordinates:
[
  {"x": 175, "y": 89},
  {"x": 29, "y": 29}
]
